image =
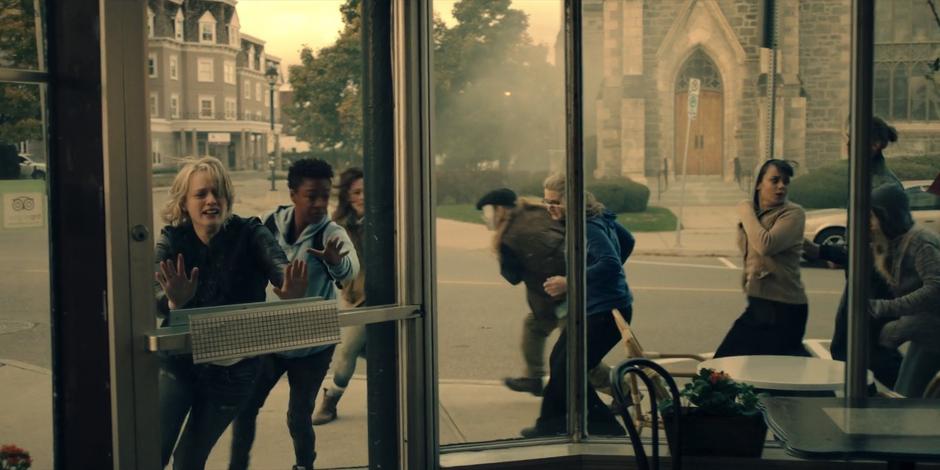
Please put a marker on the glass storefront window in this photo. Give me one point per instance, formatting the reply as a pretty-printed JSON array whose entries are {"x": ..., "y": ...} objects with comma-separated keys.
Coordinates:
[
  {"x": 498, "y": 133},
  {"x": 680, "y": 104},
  {"x": 305, "y": 106},
  {"x": 25, "y": 321}
]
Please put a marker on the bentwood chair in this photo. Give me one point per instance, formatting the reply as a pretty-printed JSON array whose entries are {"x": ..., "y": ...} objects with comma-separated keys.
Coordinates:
[
  {"x": 634, "y": 399},
  {"x": 655, "y": 377}
]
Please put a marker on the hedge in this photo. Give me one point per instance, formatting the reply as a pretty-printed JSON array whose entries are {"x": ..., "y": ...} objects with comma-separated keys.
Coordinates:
[
  {"x": 621, "y": 195},
  {"x": 467, "y": 186},
  {"x": 828, "y": 185}
]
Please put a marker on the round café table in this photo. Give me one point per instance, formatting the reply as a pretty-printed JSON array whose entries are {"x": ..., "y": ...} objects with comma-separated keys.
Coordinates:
[{"x": 790, "y": 373}]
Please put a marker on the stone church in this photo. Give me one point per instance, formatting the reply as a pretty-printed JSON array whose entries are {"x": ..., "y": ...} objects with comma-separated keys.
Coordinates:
[{"x": 640, "y": 54}]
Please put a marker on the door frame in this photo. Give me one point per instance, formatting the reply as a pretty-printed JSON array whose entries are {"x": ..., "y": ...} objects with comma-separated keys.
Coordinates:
[{"x": 128, "y": 206}]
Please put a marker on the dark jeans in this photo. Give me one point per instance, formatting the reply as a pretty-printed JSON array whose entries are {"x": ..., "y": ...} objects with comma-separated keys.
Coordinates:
[
  {"x": 767, "y": 327},
  {"x": 305, "y": 375},
  {"x": 883, "y": 362},
  {"x": 602, "y": 335},
  {"x": 212, "y": 395}
]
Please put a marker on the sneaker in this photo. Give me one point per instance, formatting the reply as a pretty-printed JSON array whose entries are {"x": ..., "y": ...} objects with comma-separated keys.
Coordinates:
[
  {"x": 540, "y": 431},
  {"x": 531, "y": 385}
]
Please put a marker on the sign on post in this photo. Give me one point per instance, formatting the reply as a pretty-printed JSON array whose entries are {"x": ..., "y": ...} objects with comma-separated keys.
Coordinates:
[{"x": 694, "y": 86}]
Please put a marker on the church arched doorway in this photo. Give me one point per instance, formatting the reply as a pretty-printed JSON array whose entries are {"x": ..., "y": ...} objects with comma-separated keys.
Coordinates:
[{"x": 705, "y": 131}]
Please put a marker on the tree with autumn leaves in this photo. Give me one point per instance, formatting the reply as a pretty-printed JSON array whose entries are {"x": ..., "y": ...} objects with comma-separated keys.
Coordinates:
[
  {"x": 20, "y": 111},
  {"x": 20, "y": 114},
  {"x": 497, "y": 101}
]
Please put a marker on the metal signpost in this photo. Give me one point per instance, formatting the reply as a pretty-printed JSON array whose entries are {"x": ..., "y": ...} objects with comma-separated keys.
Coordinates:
[{"x": 694, "y": 87}]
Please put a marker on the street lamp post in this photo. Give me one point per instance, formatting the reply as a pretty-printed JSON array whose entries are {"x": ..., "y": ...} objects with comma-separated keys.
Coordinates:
[{"x": 272, "y": 76}]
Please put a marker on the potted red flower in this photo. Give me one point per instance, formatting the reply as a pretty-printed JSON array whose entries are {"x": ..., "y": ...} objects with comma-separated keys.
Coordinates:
[
  {"x": 14, "y": 458},
  {"x": 718, "y": 416}
]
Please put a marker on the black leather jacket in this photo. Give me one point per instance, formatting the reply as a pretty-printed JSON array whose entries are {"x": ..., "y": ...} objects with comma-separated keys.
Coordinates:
[{"x": 234, "y": 268}]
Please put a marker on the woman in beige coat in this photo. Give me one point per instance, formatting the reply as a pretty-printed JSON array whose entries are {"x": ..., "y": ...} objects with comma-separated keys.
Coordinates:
[{"x": 770, "y": 236}]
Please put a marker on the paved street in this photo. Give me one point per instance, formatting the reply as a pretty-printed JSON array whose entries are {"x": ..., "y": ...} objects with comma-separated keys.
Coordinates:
[{"x": 683, "y": 304}]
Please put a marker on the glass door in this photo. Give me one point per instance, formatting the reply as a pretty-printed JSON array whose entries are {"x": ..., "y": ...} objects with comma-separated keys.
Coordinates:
[
  {"x": 26, "y": 322},
  {"x": 232, "y": 158}
]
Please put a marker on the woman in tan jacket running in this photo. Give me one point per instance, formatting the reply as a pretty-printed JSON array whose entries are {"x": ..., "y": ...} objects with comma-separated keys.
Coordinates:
[{"x": 770, "y": 236}]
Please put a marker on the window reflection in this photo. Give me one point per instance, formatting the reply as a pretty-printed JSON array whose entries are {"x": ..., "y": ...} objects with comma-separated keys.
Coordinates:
[
  {"x": 21, "y": 39},
  {"x": 498, "y": 133},
  {"x": 25, "y": 322},
  {"x": 259, "y": 103}
]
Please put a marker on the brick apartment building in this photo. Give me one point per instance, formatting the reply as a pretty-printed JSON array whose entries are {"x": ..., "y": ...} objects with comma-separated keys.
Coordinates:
[{"x": 208, "y": 93}]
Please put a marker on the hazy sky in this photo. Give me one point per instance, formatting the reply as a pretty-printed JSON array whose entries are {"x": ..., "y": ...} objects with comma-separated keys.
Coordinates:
[{"x": 286, "y": 25}]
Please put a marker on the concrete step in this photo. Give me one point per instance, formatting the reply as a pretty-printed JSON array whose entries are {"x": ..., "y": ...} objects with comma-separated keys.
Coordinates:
[{"x": 699, "y": 191}]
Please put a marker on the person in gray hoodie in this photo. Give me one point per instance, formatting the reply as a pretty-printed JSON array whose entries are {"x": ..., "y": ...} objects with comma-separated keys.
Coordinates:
[
  {"x": 907, "y": 256},
  {"x": 883, "y": 362},
  {"x": 304, "y": 231},
  {"x": 770, "y": 237}
]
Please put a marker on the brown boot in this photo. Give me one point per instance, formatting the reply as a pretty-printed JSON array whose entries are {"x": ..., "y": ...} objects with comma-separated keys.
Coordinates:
[{"x": 326, "y": 412}]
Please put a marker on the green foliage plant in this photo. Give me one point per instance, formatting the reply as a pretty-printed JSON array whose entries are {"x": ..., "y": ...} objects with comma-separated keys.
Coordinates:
[
  {"x": 497, "y": 97},
  {"x": 714, "y": 393},
  {"x": 621, "y": 195},
  {"x": 20, "y": 117}
]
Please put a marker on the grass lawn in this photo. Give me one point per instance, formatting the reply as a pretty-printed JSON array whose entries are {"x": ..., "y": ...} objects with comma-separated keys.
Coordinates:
[
  {"x": 460, "y": 213},
  {"x": 655, "y": 219}
]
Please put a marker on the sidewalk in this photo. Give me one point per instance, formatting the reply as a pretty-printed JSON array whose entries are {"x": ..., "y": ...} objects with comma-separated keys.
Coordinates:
[
  {"x": 707, "y": 231},
  {"x": 470, "y": 411},
  {"x": 26, "y": 410}
]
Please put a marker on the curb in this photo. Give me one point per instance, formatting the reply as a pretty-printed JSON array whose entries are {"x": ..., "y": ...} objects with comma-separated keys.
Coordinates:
[
  {"x": 24, "y": 366},
  {"x": 685, "y": 252}
]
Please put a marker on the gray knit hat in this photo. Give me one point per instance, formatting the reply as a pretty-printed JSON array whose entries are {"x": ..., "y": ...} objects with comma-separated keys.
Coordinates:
[{"x": 890, "y": 205}]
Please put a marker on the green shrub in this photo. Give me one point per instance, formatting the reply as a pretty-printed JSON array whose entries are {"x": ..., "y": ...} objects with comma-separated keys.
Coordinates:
[
  {"x": 621, "y": 195},
  {"x": 467, "y": 186},
  {"x": 922, "y": 167},
  {"x": 828, "y": 185},
  {"x": 166, "y": 170},
  {"x": 9, "y": 162}
]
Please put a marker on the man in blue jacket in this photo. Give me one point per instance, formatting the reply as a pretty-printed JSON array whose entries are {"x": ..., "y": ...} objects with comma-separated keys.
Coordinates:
[
  {"x": 304, "y": 231},
  {"x": 530, "y": 245},
  {"x": 609, "y": 245}
]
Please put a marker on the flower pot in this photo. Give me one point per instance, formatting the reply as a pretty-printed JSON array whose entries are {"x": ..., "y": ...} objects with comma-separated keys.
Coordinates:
[{"x": 726, "y": 436}]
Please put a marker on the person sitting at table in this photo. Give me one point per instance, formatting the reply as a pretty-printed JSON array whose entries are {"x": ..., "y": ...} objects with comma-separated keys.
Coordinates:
[
  {"x": 770, "y": 235},
  {"x": 907, "y": 256}
]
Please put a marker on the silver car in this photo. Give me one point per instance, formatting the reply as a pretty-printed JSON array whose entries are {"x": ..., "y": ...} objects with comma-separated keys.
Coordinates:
[
  {"x": 31, "y": 169},
  {"x": 827, "y": 226}
]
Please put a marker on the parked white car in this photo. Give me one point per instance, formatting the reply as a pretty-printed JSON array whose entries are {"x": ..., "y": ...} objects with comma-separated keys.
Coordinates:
[
  {"x": 31, "y": 169},
  {"x": 827, "y": 226}
]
